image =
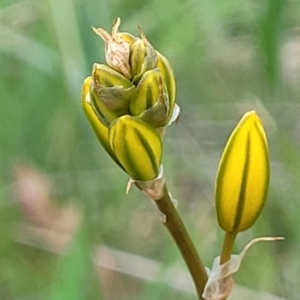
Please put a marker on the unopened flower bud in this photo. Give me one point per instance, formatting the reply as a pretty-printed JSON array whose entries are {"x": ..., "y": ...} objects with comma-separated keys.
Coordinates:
[
  {"x": 137, "y": 146},
  {"x": 168, "y": 75},
  {"x": 100, "y": 130},
  {"x": 143, "y": 57},
  {"x": 111, "y": 93},
  {"x": 150, "y": 100},
  {"x": 137, "y": 56},
  {"x": 243, "y": 175}
]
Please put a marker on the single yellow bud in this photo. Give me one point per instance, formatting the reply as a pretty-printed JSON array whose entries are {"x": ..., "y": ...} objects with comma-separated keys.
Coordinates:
[
  {"x": 138, "y": 53},
  {"x": 111, "y": 93},
  {"x": 137, "y": 146},
  {"x": 150, "y": 101},
  {"x": 243, "y": 175},
  {"x": 143, "y": 57},
  {"x": 168, "y": 75},
  {"x": 100, "y": 130},
  {"x": 108, "y": 77},
  {"x": 148, "y": 92}
]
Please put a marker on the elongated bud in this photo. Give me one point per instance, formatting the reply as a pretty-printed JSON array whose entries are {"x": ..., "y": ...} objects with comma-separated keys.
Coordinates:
[
  {"x": 116, "y": 49},
  {"x": 138, "y": 53},
  {"x": 168, "y": 75},
  {"x": 150, "y": 100},
  {"x": 143, "y": 57},
  {"x": 243, "y": 175},
  {"x": 137, "y": 146},
  {"x": 100, "y": 130},
  {"x": 111, "y": 93},
  {"x": 151, "y": 57}
]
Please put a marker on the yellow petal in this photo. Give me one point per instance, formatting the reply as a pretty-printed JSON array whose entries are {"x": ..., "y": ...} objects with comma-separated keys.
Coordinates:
[
  {"x": 243, "y": 175},
  {"x": 137, "y": 146}
]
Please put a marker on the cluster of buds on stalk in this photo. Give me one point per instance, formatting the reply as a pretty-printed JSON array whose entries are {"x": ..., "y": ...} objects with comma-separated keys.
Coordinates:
[{"x": 130, "y": 100}]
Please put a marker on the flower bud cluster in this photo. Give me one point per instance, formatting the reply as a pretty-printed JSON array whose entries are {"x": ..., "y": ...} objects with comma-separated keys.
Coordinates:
[{"x": 129, "y": 100}]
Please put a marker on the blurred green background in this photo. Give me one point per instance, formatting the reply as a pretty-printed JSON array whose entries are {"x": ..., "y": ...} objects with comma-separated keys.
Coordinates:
[{"x": 67, "y": 228}]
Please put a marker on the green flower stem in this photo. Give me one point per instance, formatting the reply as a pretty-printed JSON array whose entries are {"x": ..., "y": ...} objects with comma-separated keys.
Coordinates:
[
  {"x": 179, "y": 233},
  {"x": 227, "y": 247}
]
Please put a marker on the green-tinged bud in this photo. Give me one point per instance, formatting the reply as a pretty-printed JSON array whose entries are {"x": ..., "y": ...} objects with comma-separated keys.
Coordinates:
[
  {"x": 150, "y": 100},
  {"x": 127, "y": 37},
  {"x": 151, "y": 56},
  {"x": 243, "y": 175},
  {"x": 108, "y": 77},
  {"x": 143, "y": 57},
  {"x": 137, "y": 146},
  {"x": 117, "y": 49},
  {"x": 111, "y": 93},
  {"x": 100, "y": 130},
  {"x": 168, "y": 75},
  {"x": 137, "y": 56}
]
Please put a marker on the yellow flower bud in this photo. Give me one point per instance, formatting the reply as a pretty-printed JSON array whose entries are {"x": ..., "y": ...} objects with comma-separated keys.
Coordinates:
[
  {"x": 111, "y": 93},
  {"x": 100, "y": 130},
  {"x": 143, "y": 57},
  {"x": 168, "y": 75},
  {"x": 137, "y": 146},
  {"x": 243, "y": 175},
  {"x": 138, "y": 53},
  {"x": 150, "y": 101},
  {"x": 106, "y": 76}
]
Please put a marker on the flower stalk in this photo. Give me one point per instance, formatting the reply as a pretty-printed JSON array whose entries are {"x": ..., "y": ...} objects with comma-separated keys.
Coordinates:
[
  {"x": 227, "y": 247},
  {"x": 176, "y": 228}
]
